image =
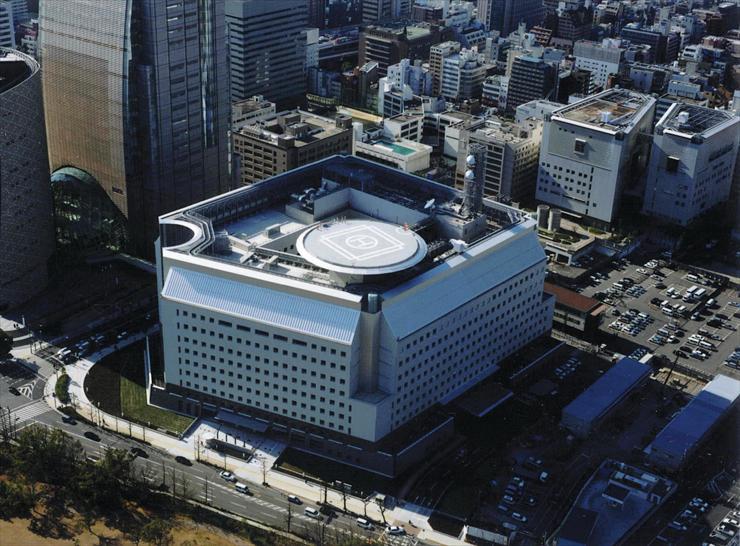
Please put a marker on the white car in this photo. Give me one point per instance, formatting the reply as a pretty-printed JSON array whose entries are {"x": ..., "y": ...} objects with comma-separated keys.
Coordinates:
[
  {"x": 396, "y": 530},
  {"x": 519, "y": 517},
  {"x": 226, "y": 475}
]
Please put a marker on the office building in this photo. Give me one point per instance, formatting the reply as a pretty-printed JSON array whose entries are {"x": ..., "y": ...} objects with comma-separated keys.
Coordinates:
[
  {"x": 397, "y": 90},
  {"x": 404, "y": 126},
  {"x": 506, "y": 15},
  {"x": 21, "y": 13},
  {"x": 26, "y": 222},
  {"x": 374, "y": 11},
  {"x": 316, "y": 13},
  {"x": 437, "y": 54},
  {"x": 387, "y": 46},
  {"x": 572, "y": 84},
  {"x": 337, "y": 306},
  {"x": 281, "y": 142},
  {"x": 531, "y": 78},
  {"x": 512, "y": 154},
  {"x": 267, "y": 49},
  {"x": 591, "y": 150},
  {"x": 7, "y": 25},
  {"x": 494, "y": 91},
  {"x": 149, "y": 125},
  {"x": 692, "y": 162},
  {"x": 600, "y": 59},
  {"x": 664, "y": 47},
  {"x": 251, "y": 110},
  {"x": 462, "y": 75}
]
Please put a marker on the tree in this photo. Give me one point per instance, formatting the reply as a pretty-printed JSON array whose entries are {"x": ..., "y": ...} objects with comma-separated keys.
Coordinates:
[
  {"x": 8, "y": 425},
  {"x": 16, "y": 500},
  {"x": 343, "y": 491},
  {"x": 48, "y": 456},
  {"x": 380, "y": 501},
  {"x": 264, "y": 468},
  {"x": 6, "y": 344},
  {"x": 157, "y": 532}
]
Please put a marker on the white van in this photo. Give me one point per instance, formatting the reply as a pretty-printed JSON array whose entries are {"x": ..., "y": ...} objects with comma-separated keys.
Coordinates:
[
  {"x": 362, "y": 522},
  {"x": 241, "y": 487},
  {"x": 312, "y": 513}
]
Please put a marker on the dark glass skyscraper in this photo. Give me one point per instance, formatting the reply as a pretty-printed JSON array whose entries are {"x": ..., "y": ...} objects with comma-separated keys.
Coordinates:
[
  {"x": 136, "y": 96},
  {"x": 26, "y": 228}
]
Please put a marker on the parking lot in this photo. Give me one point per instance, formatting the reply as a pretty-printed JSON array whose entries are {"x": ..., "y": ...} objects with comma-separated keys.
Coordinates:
[{"x": 703, "y": 337}]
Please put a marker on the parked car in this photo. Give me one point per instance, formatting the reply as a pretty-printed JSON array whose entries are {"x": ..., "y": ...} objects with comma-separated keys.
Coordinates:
[{"x": 519, "y": 517}]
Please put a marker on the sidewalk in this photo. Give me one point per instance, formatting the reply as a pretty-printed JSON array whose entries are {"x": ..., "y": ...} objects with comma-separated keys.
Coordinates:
[{"x": 246, "y": 471}]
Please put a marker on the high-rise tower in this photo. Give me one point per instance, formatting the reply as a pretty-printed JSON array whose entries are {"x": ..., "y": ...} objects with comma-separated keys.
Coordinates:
[
  {"x": 267, "y": 49},
  {"x": 26, "y": 228},
  {"x": 136, "y": 96}
]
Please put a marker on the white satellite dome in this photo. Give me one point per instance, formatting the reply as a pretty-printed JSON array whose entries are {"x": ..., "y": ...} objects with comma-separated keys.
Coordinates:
[
  {"x": 469, "y": 175},
  {"x": 470, "y": 160}
]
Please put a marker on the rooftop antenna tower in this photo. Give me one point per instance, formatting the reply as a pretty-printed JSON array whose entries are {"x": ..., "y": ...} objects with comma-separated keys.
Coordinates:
[{"x": 473, "y": 180}]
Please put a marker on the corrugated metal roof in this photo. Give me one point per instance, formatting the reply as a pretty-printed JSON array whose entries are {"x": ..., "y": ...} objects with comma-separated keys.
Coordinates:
[
  {"x": 406, "y": 315},
  {"x": 608, "y": 389},
  {"x": 688, "y": 428},
  {"x": 296, "y": 313}
]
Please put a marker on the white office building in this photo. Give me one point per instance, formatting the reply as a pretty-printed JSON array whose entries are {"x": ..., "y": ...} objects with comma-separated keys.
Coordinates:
[
  {"x": 462, "y": 75},
  {"x": 404, "y": 126},
  {"x": 600, "y": 59},
  {"x": 692, "y": 162},
  {"x": 495, "y": 89},
  {"x": 337, "y": 305},
  {"x": 592, "y": 150}
]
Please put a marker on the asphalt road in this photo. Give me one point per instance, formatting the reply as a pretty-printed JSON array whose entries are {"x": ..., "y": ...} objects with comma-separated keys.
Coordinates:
[{"x": 203, "y": 483}]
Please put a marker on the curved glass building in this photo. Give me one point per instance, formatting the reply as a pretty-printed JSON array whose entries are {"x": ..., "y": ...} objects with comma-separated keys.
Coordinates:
[
  {"x": 84, "y": 215},
  {"x": 136, "y": 95},
  {"x": 26, "y": 229}
]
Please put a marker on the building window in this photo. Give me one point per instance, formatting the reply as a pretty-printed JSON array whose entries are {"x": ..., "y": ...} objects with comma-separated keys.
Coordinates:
[
  {"x": 580, "y": 146},
  {"x": 671, "y": 164}
]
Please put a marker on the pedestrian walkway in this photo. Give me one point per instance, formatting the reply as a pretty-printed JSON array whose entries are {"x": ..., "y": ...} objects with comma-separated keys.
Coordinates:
[
  {"x": 257, "y": 470},
  {"x": 29, "y": 411}
]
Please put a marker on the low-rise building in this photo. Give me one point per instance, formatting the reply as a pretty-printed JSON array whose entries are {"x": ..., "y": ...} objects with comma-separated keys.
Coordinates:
[
  {"x": 512, "y": 153},
  {"x": 574, "y": 312},
  {"x": 249, "y": 111},
  {"x": 593, "y": 405},
  {"x": 281, "y": 142},
  {"x": 404, "y": 126},
  {"x": 406, "y": 155},
  {"x": 677, "y": 442}
]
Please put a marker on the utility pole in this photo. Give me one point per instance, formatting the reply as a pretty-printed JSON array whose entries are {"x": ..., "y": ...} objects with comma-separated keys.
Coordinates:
[{"x": 289, "y": 515}]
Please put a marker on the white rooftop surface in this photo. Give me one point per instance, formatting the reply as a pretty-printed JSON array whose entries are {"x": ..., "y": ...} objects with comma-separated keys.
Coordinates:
[
  {"x": 252, "y": 227},
  {"x": 263, "y": 305},
  {"x": 361, "y": 247}
]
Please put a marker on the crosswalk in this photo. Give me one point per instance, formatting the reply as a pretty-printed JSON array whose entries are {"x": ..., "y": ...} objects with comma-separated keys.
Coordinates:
[{"x": 29, "y": 411}]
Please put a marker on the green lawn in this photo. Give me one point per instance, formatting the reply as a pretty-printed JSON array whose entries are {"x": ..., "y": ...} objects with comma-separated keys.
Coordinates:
[
  {"x": 134, "y": 406},
  {"x": 117, "y": 382}
]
